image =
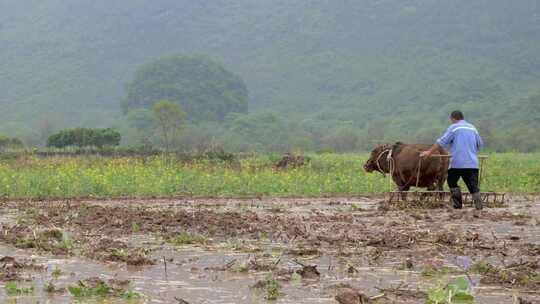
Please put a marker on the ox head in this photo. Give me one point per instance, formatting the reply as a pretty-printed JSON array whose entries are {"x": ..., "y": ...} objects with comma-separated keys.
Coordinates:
[{"x": 377, "y": 157}]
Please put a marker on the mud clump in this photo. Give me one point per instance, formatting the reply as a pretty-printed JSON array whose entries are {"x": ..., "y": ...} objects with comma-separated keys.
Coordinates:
[
  {"x": 109, "y": 250},
  {"x": 53, "y": 241},
  {"x": 446, "y": 238},
  {"x": 352, "y": 296},
  {"x": 517, "y": 275},
  {"x": 309, "y": 272},
  {"x": 532, "y": 249},
  {"x": 291, "y": 161},
  {"x": 9, "y": 262},
  {"x": 11, "y": 269},
  {"x": 392, "y": 240},
  {"x": 251, "y": 264},
  {"x": 117, "y": 284},
  {"x": 139, "y": 259},
  {"x": 302, "y": 252},
  {"x": 50, "y": 288}
]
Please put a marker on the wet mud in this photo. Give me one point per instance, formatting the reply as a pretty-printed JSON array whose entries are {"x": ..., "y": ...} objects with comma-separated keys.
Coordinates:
[{"x": 333, "y": 250}]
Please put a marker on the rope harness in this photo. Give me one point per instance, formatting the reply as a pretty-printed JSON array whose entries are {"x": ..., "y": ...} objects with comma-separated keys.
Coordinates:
[
  {"x": 391, "y": 167},
  {"x": 387, "y": 159}
]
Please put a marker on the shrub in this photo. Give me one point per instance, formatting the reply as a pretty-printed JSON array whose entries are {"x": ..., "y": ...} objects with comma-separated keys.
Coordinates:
[{"x": 82, "y": 137}]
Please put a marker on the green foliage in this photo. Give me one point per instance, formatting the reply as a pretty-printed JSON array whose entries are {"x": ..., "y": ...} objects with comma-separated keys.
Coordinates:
[
  {"x": 135, "y": 227},
  {"x": 388, "y": 63},
  {"x": 82, "y": 137},
  {"x": 49, "y": 287},
  {"x": 10, "y": 143},
  {"x": 185, "y": 238},
  {"x": 57, "y": 272},
  {"x": 433, "y": 272},
  {"x": 204, "y": 88},
  {"x": 81, "y": 291},
  {"x": 481, "y": 268},
  {"x": 258, "y": 131},
  {"x": 142, "y": 121},
  {"x": 163, "y": 176},
  {"x": 13, "y": 290},
  {"x": 169, "y": 119},
  {"x": 120, "y": 254},
  {"x": 456, "y": 292},
  {"x": 272, "y": 288},
  {"x": 131, "y": 295}
]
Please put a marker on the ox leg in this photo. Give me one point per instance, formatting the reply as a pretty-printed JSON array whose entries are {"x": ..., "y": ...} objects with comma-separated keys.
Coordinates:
[
  {"x": 427, "y": 196},
  {"x": 440, "y": 182},
  {"x": 437, "y": 187},
  {"x": 403, "y": 189},
  {"x": 440, "y": 185}
]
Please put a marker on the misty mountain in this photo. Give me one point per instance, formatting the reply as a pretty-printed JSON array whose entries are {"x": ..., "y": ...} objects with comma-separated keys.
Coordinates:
[{"x": 401, "y": 63}]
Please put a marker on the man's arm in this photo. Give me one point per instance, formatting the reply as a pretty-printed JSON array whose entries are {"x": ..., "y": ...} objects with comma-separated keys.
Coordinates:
[
  {"x": 443, "y": 142},
  {"x": 430, "y": 152}
]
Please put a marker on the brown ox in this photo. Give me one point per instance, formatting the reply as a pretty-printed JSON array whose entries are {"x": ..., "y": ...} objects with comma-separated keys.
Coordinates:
[{"x": 402, "y": 162}]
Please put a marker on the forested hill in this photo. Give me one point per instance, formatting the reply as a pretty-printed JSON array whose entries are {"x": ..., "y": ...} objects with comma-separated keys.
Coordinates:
[{"x": 398, "y": 64}]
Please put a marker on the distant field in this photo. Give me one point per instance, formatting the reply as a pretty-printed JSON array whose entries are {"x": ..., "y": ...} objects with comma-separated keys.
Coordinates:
[{"x": 325, "y": 175}]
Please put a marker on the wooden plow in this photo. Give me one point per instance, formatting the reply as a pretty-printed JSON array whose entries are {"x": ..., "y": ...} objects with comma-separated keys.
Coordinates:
[{"x": 488, "y": 198}]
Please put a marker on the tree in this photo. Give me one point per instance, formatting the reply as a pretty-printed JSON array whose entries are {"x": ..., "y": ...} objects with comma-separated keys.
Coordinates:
[
  {"x": 264, "y": 131},
  {"x": 82, "y": 137},
  {"x": 106, "y": 137},
  {"x": 343, "y": 139},
  {"x": 143, "y": 122},
  {"x": 10, "y": 143},
  {"x": 205, "y": 89},
  {"x": 169, "y": 120}
]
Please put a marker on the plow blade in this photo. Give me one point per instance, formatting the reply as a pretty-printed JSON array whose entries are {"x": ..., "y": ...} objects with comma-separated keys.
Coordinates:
[{"x": 442, "y": 196}]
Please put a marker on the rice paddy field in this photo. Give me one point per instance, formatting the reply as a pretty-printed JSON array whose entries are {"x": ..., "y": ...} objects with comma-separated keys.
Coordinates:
[
  {"x": 88, "y": 229},
  {"x": 323, "y": 175}
]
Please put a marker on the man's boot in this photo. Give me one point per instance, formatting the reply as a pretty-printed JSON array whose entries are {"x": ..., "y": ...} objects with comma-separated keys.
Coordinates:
[
  {"x": 477, "y": 200},
  {"x": 457, "y": 198}
]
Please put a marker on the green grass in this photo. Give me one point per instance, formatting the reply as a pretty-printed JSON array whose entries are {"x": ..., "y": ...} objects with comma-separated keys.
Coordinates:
[
  {"x": 326, "y": 175},
  {"x": 57, "y": 272},
  {"x": 185, "y": 238},
  {"x": 79, "y": 291},
  {"x": 13, "y": 290},
  {"x": 456, "y": 292},
  {"x": 434, "y": 272},
  {"x": 272, "y": 289},
  {"x": 131, "y": 295}
]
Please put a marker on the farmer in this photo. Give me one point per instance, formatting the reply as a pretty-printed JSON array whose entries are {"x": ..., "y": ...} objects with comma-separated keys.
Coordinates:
[{"x": 464, "y": 143}]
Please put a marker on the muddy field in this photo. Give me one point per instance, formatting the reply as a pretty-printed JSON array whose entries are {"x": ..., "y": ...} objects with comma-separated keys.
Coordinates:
[{"x": 253, "y": 251}]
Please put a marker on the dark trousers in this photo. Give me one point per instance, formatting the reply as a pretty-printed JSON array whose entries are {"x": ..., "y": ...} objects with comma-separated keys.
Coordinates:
[{"x": 469, "y": 176}]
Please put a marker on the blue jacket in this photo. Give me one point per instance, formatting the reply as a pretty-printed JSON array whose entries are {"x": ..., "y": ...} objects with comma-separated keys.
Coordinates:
[{"x": 464, "y": 143}]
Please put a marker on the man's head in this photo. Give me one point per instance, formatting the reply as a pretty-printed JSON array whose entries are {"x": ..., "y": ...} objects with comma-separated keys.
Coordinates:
[{"x": 456, "y": 116}]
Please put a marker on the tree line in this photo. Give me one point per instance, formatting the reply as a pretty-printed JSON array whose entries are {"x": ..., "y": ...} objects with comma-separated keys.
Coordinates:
[
  {"x": 84, "y": 137},
  {"x": 192, "y": 103},
  {"x": 9, "y": 143}
]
